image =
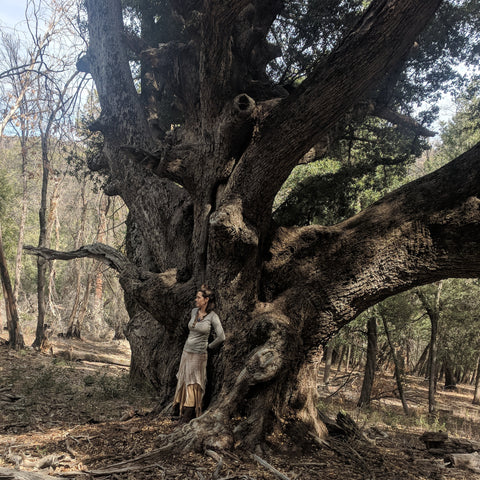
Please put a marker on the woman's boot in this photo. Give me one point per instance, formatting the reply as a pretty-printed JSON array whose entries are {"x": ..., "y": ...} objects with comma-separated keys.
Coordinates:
[{"x": 188, "y": 414}]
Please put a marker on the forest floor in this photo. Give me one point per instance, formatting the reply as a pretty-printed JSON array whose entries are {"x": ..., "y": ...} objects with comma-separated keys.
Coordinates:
[{"x": 74, "y": 411}]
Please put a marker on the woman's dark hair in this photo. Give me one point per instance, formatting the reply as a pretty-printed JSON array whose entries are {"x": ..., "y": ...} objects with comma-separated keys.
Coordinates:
[{"x": 207, "y": 292}]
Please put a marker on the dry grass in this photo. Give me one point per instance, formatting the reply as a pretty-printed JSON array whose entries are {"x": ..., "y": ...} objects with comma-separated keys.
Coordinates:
[{"x": 87, "y": 413}]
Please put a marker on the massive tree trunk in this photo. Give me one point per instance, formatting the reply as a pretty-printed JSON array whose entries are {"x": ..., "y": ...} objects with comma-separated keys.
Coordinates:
[{"x": 200, "y": 191}]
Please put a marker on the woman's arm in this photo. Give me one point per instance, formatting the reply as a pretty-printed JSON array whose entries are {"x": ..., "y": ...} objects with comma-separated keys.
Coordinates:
[{"x": 219, "y": 333}]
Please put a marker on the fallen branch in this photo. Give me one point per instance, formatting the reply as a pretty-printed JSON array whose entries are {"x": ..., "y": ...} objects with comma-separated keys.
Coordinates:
[
  {"x": 111, "y": 471},
  {"x": 218, "y": 459},
  {"x": 468, "y": 461},
  {"x": 270, "y": 468},
  {"x": 11, "y": 474}
]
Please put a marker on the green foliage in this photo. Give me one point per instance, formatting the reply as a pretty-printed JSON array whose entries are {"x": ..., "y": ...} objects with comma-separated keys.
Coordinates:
[
  {"x": 371, "y": 160},
  {"x": 308, "y": 31},
  {"x": 463, "y": 130},
  {"x": 459, "y": 332}
]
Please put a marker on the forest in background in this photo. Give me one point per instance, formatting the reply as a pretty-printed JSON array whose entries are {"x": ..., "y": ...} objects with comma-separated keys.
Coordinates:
[{"x": 84, "y": 297}]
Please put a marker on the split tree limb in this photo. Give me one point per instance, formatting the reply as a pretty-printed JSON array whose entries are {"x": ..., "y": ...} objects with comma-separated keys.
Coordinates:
[
  {"x": 284, "y": 137},
  {"x": 146, "y": 286}
]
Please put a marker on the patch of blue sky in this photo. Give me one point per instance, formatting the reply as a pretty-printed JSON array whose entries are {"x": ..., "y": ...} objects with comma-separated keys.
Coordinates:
[{"x": 12, "y": 12}]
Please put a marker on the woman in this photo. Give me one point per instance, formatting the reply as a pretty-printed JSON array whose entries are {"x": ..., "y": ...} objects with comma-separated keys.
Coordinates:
[{"x": 192, "y": 373}]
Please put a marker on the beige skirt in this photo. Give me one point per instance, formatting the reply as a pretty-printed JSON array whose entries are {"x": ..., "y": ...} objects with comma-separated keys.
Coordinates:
[{"x": 191, "y": 381}]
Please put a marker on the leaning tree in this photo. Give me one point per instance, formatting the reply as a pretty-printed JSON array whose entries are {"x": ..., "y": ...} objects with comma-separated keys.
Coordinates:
[{"x": 199, "y": 136}]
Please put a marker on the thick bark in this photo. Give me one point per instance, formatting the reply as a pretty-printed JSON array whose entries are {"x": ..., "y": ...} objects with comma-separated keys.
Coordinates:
[
  {"x": 200, "y": 198},
  {"x": 370, "y": 364}
]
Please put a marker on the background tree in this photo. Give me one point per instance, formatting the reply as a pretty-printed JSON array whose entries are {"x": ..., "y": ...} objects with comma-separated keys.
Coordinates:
[
  {"x": 15, "y": 337},
  {"x": 371, "y": 362}
]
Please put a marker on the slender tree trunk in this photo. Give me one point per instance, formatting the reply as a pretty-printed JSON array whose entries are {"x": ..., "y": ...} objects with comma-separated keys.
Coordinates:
[
  {"x": 422, "y": 361},
  {"x": 53, "y": 225},
  {"x": 15, "y": 338},
  {"x": 73, "y": 328},
  {"x": 328, "y": 364},
  {"x": 40, "y": 337},
  {"x": 341, "y": 355},
  {"x": 101, "y": 236},
  {"x": 450, "y": 376},
  {"x": 84, "y": 306},
  {"x": 370, "y": 365},
  {"x": 398, "y": 372},
  {"x": 473, "y": 376},
  {"x": 434, "y": 314},
  {"x": 349, "y": 354},
  {"x": 476, "y": 395},
  {"x": 432, "y": 367},
  {"x": 23, "y": 217},
  {"x": 408, "y": 357}
]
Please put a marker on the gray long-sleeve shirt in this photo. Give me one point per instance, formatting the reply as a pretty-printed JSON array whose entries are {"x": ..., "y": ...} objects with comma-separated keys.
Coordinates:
[{"x": 197, "y": 341}]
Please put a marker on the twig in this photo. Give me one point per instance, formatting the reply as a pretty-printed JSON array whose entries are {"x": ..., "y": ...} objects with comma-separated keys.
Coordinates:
[
  {"x": 69, "y": 448},
  {"x": 218, "y": 458},
  {"x": 347, "y": 381},
  {"x": 113, "y": 471},
  {"x": 270, "y": 468}
]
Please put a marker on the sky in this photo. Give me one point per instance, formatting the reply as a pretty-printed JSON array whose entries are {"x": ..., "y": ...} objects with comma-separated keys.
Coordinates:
[{"x": 12, "y": 12}]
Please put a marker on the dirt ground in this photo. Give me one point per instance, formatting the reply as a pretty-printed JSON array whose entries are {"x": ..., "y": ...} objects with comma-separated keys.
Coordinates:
[{"x": 72, "y": 411}]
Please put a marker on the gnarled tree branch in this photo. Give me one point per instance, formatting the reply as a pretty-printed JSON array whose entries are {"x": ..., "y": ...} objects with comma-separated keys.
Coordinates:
[
  {"x": 425, "y": 231},
  {"x": 158, "y": 293},
  {"x": 302, "y": 119}
]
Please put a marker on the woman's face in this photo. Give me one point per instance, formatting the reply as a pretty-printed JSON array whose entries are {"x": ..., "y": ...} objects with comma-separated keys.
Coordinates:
[{"x": 201, "y": 301}]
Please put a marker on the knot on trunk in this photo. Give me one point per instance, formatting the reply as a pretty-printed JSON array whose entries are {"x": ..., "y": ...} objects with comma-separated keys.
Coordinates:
[
  {"x": 243, "y": 105},
  {"x": 264, "y": 364},
  {"x": 230, "y": 228}
]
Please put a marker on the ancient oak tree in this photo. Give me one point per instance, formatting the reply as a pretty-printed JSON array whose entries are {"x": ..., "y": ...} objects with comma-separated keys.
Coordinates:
[{"x": 198, "y": 140}]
